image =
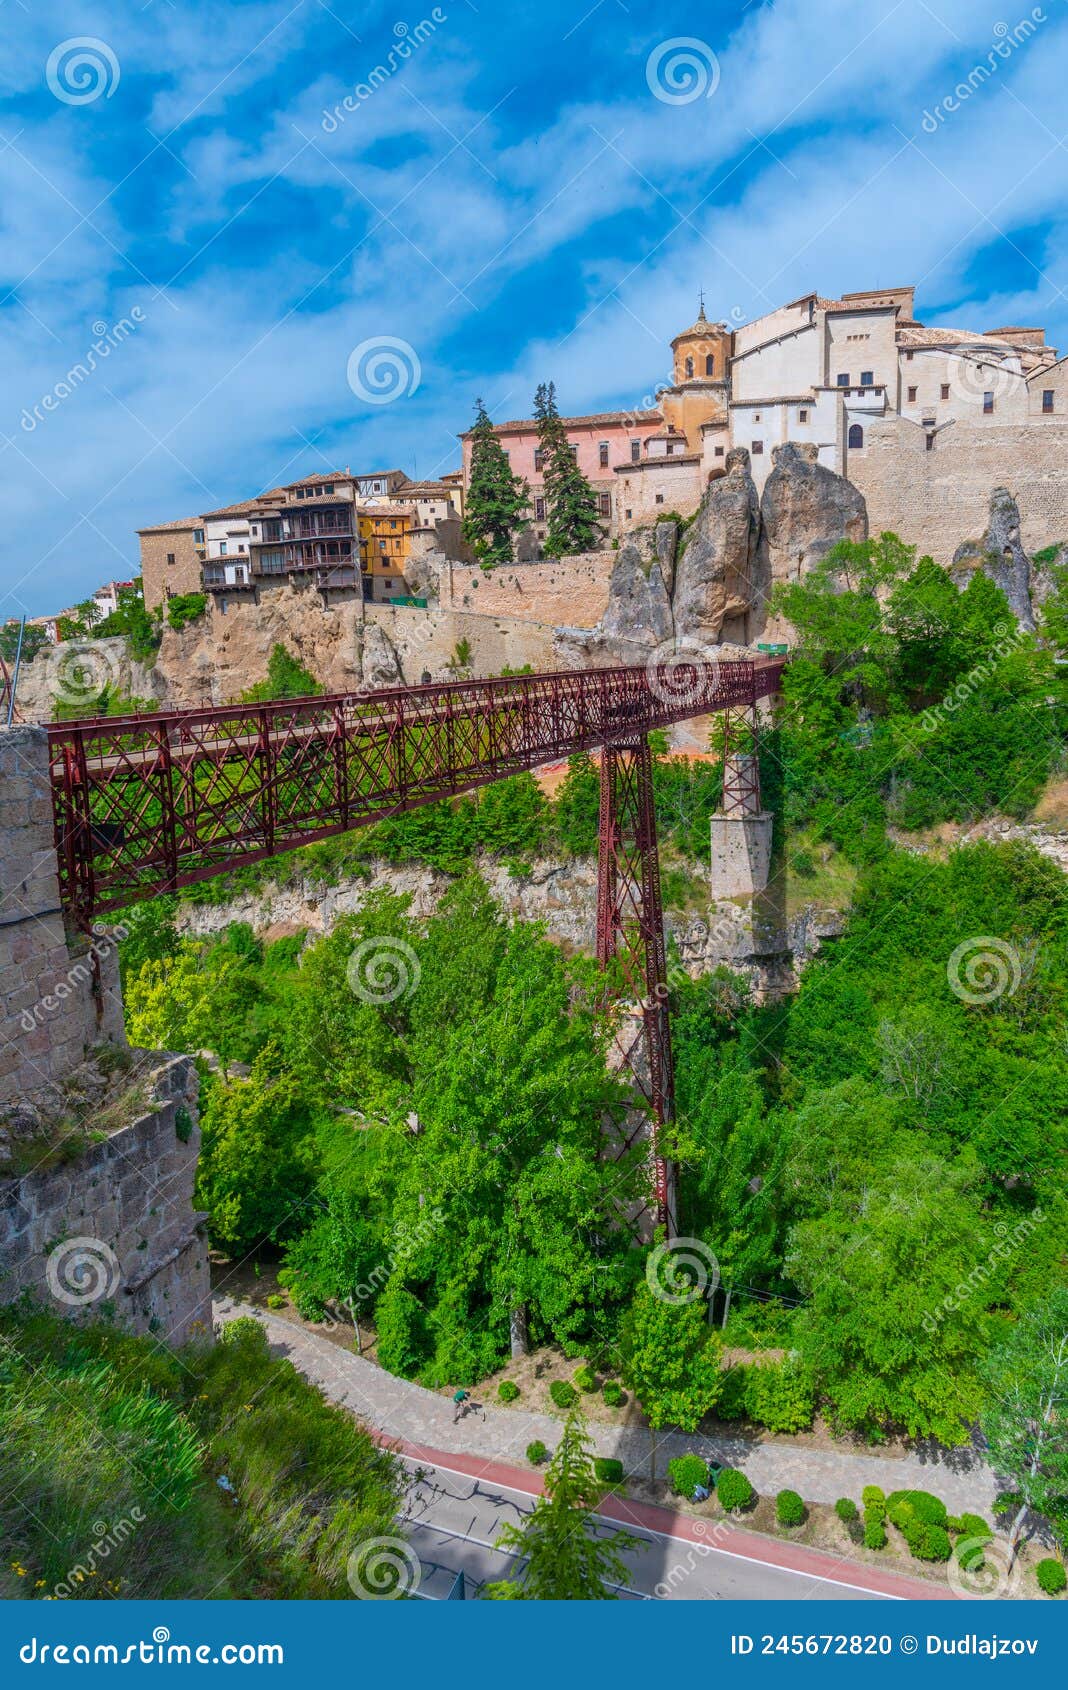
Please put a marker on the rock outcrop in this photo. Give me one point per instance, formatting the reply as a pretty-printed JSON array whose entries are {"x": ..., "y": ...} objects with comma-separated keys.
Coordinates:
[
  {"x": 721, "y": 580},
  {"x": 1000, "y": 556},
  {"x": 379, "y": 662},
  {"x": 805, "y": 509},
  {"x": 637, "y": 618}
]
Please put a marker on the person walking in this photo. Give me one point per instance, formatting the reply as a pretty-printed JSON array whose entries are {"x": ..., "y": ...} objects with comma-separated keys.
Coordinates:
[{"x": 460, "y": 1398}]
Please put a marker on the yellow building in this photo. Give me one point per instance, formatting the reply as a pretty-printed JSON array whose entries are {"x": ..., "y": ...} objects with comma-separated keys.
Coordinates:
[
  {"x": 701, "y": 390},
  {"x": 385, "y": 541}
]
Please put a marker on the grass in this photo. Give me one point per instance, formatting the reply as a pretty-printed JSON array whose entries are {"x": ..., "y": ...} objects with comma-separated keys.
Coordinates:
[{"x": 817, "y": 874}]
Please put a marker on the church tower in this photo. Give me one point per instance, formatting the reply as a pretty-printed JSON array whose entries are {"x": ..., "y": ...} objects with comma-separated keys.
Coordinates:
[{"x": 701, "y": 387}]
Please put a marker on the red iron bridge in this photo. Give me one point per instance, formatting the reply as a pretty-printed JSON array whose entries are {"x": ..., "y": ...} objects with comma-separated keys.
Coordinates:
[{"x": 147, "y": 804}]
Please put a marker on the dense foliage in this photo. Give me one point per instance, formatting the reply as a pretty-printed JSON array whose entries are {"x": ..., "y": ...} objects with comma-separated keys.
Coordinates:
[
  {"x": 570, "y": 502},
  {"x": 496, "y": 505},
  {"x": 113, "y": 1451}
]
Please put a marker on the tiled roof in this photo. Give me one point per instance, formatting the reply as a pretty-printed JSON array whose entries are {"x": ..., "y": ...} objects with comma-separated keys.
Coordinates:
[
  {"x": 522, "y": 424},
  {"x": 170, "y": 527},
  {"x": 443, "y": 487},
  {"x": 917, "y": 336}
]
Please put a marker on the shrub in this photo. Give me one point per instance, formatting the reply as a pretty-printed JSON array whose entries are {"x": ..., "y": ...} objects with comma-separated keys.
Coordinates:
[
  {"x": 1051, "y": 1576},
  {"x": 686, "y": 1472},
  {"x": 508, "y": 1390},
  {"x": 537, "y": 1453},
  {"x": 734, "y": 1490},
  {"x": 731, "y": 1402},
  {"x": 780, "y": 1396},
  {"x": 928, "y": 1542},
  {"x": 846, "y": 1509},
  {"x": 608, "y": 1469},
  {"x": 918, "y": 1505},
  {"x": 970, "y": 1525},
  {"x": 613, "y": 1393},
  {"x": 969, "y": 1553},
  {"x": 873, "y": 1497},
  {"x": 584, "y": 1379},
  {"x": 185, "y": 607},
  {"x": 789, "y": 1508},
  {"x": 274, "y": 1301},
  {"x": 563, "y": 1394},
  {"x": 874, "y": 1532}
]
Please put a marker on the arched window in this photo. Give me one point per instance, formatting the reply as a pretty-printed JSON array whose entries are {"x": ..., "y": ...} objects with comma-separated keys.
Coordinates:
[
  {"x": 856, "y": 435},
  {"x": 710, "y": 364},
  {"x": 689, "y": 368}
]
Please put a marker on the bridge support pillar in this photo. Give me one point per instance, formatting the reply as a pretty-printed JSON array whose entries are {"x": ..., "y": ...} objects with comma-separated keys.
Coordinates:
[
  {"x": 59, "y": 990},
  {"x": 630, "y": 930},
  {"x": 742, "y": 830}
]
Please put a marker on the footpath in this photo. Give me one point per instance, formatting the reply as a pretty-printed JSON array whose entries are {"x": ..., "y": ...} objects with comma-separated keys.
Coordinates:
[{"x": 420, "y": 1422}]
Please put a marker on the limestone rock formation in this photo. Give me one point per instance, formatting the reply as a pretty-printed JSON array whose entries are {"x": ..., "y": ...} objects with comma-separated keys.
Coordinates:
[
  {"x": 806, "y": 508},
  {"x": 379, "y": 663},
  {"x": 721, "y": 577},
  {"x": 637, "y": 618},
  {"x": 665, "y": 546},
  {"x": 1000, "y": 555}
]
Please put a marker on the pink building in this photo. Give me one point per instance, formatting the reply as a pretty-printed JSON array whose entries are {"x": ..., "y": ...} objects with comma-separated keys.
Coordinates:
[{"x": 604, "y": 444}]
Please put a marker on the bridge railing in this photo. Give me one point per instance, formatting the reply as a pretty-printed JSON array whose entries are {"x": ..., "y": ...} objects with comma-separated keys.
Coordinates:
[{"x": 146, "y": 804}]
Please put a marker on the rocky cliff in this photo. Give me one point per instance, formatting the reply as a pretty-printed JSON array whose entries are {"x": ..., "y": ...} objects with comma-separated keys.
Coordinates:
[{"x": 1000, "y": 555}]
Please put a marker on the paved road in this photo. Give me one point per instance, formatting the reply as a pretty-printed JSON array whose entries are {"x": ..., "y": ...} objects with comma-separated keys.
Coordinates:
[{"x": 453, "y": 1520}]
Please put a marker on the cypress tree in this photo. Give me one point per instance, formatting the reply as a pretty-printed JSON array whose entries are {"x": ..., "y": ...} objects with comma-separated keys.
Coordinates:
[
  {"x": 570, "y": 501},
  {"x": 497, "y": 500}
]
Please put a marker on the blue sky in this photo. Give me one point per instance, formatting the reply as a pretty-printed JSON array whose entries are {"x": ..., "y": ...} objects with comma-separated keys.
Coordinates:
[{"x": 511, "y": 196}]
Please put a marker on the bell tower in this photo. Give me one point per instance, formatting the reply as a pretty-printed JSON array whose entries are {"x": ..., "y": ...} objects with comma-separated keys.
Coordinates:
[{"x": 701, "y": 358}]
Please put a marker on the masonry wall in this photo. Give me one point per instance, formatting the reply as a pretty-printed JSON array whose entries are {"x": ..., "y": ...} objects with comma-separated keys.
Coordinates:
[
  {"x": 937, "y": 499},
  {"x": 650, "y": 492},
  {"x": 162, "y": 578},
  {"x": 570, "y": 591},
  {"x": 116, "y": 1229},
  {"x": 426, "y": 641},
  {"x": 53, "y": 1004}
]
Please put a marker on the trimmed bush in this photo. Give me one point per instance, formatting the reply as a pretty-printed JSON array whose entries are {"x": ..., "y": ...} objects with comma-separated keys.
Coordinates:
[
  {"x": 928, "y": 1542},
  {"x": 274, "y": 1301},
  {"x": 585, "y": 1380},
  {"x": 731, "y": 1402},
  {"x": 918, "y": 1505},
  {"x": 970, "y": 1525},
  {"x": 969, "y": 1553},
  {"x": 537, "y": 1453},
  {"x": 613, "y": 1393},
  {"x": 508, "y": 1390},
  {"x": 563, "y": 1394},
  {"x": 608, "y": 1469},
  {"x": 846, "y": 1509},
  {"x": 874, "y": 1532},
  {"x": 734, "y": 1490},
  {"x": 686, "y": 1472},
  {"x": 873, "y": 1496},
  {"x": 1051, "y": 1576},
  {"x": 789, "y": 1508}
]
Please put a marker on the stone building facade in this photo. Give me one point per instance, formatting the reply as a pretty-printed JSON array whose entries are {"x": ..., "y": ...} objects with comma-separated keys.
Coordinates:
[{"x": 171, "y": 556}]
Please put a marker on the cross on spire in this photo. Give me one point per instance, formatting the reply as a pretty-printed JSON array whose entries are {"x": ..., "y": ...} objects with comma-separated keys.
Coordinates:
[{"x": 701, "y": 300}]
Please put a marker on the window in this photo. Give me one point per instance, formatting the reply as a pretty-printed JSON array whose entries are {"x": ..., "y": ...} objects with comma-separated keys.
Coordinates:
[
  {"x": 602, "y": 454},
  {"x": 660, "y": 498},
  {"x": 627, "y": 515},
  {"x": 856, "y": 436},
  {"x": 254, "y": 531},
  {"x": 670, "y": 448},
  {"x": 867, "y": 378},
  {"x": 843, "y": 380},
  {"x": 710, "y": 365},
  {"x": 945, "y": 390},
  {"x": 1047, "y": 399},
  {"x": 802, "y": 415},
  {"x": 756, "y": 416},
  {"x": 329, "y": 487},
  {"x": 758, "y": 448},
  {"x": 719, "y": 451},
  {"x": 912, "y": 395},
  {"x": 930, "y": 439},
  {"x": 198, "y": 537},
  {"x": 635, "y": 451},
  {"x": 605, "y": 504},
  {"x": 908, "y": 357},
  {"x": 539, "y": 510},
  {"x": 170, "y": 557},
  {"x": 689, "y": 368},
  {"x": 222, "y": 548},
  {"x": 242, "y": 547},
  {"x": 988, "y": 404},
  {"x": 539, "y": 457}
]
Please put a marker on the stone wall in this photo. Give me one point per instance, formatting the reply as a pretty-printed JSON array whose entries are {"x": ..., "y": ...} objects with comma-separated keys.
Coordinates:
[
  {"x": 161, "y": 578},
  {"x": 937, "y": 499},
  {"x": 116, "y": 1228},
  {"x": 571, "y": 590},
  {"x": 58, "y": 994}
]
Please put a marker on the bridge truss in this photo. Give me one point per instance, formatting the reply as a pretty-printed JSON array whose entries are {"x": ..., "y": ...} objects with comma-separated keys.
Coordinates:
[{"x": 147, "y": 804}]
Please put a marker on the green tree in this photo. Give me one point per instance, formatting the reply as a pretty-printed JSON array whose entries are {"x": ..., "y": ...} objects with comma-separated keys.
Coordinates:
[
  {"x": 258, "y": 1158},
  {"x": 565, "y": 1559},
  {"x": 570, "y": 501},
  {"x": 286, "y": 678},
  {"x": 497, "y": 500},
  {"x": 670, "y": 1358},
  {"x": 33, "y": 641},
  {"x": 1025, "y": 1418}
]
